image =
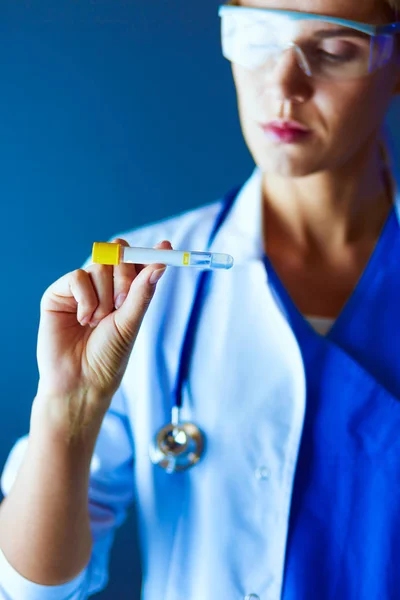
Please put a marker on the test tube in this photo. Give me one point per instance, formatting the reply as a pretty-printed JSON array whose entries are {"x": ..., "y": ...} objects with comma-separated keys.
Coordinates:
[{"x": 111, "y": 253}]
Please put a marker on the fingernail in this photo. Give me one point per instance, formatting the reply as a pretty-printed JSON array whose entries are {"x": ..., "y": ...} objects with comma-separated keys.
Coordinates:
[
  {"x": 84, "y": 321},
  {"x": 120, "y": 300},
  {"x": 155, "y": 276},
  {"x": 94, "y": 323}
]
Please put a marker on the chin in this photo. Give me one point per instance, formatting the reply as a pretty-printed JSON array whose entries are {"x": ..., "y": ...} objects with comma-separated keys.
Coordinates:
[
  {"x": 286, "y": 164},
  {"x": 286, "y": 160}
]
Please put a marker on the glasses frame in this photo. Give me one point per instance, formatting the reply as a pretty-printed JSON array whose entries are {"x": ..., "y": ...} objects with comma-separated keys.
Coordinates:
[{"x": 388, "y": 28}]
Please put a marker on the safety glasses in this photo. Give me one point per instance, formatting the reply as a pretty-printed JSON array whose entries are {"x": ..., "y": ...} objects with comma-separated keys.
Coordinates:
[{"x": 326, "y": 48}]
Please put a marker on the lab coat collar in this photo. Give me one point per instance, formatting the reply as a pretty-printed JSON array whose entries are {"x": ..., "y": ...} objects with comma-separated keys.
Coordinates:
[{"x": 241, "y": 233}]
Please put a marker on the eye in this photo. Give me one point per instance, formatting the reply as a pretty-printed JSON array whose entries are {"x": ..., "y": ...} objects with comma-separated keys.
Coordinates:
[
  {"x": 338, "y": 50},
  {"x": 330, "y": 57}
]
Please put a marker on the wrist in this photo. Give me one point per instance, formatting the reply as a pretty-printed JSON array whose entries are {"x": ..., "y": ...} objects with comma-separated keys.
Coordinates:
[{"x": 71, "y": 419}]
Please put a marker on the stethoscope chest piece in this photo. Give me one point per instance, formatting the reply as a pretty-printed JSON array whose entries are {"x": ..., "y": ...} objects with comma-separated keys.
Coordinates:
[{"x": 177, "y": 447}]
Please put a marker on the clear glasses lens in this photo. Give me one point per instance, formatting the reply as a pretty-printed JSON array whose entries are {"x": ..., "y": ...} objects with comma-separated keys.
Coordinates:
[{"x": 324, "y": 50}]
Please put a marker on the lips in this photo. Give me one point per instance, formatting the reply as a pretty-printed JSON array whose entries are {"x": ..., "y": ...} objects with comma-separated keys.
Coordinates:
[
  {"x": 285, "y": 131},
  {"x": 285, "y": 125}
]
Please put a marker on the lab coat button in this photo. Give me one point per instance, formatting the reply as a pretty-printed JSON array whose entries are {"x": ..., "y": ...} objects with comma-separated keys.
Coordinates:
[
  {"x": 252, "y": 597},
  {"x": 263, "y": 473}
]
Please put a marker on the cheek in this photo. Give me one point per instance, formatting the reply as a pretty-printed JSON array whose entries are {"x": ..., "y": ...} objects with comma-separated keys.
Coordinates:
[
  {"x": 356, "y": 107},
  {"x": 252, "y": 94},
  {"x": 243, "y": 89}
]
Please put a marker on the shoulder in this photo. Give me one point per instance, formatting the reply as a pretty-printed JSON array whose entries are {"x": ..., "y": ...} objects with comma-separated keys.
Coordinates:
[{"x": 187, "y": 226}]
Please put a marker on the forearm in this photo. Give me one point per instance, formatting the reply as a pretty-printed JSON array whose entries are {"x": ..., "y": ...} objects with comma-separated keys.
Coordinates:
[{"x": 44, "y": 521}]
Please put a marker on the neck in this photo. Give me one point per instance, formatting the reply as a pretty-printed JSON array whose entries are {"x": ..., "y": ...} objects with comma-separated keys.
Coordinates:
[{"x": 320, "y": 213}]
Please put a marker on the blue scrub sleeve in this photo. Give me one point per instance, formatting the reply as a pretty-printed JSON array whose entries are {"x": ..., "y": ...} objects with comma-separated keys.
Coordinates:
[{"x": 111, "y": 492}]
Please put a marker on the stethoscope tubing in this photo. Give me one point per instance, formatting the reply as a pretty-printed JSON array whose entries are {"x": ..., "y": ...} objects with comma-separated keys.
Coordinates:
[{"x": 201, "y": 290}]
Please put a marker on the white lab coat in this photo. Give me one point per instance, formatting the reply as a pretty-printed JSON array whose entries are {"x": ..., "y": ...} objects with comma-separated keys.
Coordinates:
[{"x": 217, "y": 531}]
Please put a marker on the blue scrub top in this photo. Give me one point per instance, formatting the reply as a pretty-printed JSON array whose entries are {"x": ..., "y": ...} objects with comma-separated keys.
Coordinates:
[{"x": 343, "y": 540}]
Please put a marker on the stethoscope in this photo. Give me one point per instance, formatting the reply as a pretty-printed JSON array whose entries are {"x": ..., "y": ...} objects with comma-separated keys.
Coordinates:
[{"x": 179, "y": 445}]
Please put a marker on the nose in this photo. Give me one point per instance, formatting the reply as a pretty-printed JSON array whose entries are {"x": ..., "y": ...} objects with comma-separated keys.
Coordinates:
[{"x": 288, "y": 79}]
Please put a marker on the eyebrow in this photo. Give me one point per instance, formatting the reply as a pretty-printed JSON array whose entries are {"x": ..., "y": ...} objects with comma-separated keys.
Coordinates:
[{"x": 344, "y": 31}]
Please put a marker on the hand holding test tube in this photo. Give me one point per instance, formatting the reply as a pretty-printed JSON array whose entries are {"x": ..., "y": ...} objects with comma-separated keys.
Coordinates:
[{"x": 110, "y": 253}]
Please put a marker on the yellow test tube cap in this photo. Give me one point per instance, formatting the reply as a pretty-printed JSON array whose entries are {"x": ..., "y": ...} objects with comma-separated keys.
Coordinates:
[{"x": 106, "y": 253}]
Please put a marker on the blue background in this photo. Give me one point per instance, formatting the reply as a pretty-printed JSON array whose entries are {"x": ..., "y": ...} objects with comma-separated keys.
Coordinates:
[{"x": 114, "y": 113}]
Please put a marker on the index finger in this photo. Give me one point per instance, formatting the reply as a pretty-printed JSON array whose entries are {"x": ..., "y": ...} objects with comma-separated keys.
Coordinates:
[{"x": 125, "y": 273}]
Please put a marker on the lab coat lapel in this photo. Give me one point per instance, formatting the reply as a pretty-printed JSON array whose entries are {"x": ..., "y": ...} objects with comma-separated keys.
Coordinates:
[{"x": 242, "y": 333}]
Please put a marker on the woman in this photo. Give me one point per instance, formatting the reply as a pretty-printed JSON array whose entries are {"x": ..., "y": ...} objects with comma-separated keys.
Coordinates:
[{"x": 293, "y": 373}]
